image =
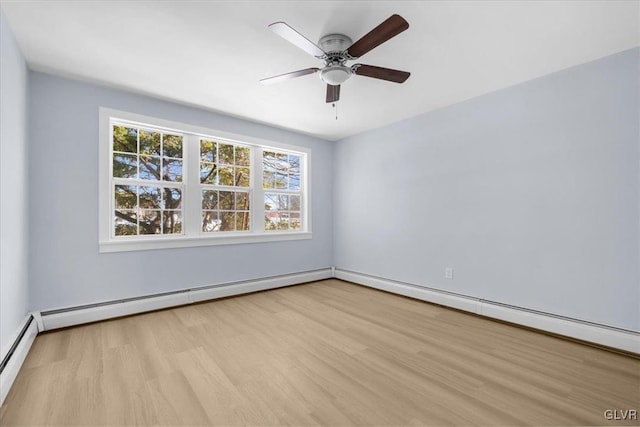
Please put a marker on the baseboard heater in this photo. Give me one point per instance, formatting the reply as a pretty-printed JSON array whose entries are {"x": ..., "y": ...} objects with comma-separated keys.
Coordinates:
[
  {"x": 15, "y": 355},
  {"x": 70, "y": 316},
  {"x": 12, "y": 349}
]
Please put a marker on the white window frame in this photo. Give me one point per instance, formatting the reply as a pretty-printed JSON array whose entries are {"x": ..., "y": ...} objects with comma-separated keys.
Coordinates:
[{"x": 192, "y": 234}]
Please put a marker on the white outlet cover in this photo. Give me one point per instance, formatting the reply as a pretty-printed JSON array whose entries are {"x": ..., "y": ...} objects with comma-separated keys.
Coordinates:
[{"x": 448, "y": 273}]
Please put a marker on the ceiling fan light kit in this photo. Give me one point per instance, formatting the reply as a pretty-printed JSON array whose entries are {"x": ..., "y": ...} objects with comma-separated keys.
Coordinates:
[
  {"x": 335, "y": 75},
  {"x": 336, "y": 49}
]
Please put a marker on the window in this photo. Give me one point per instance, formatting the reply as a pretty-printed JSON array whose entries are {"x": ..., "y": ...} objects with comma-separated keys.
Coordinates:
[
  {"x": 282, "y": 197},
  {"x": 166, "y": 184},
  {"x": 147, "y": 181},
  {"x": 225, "y": 178}
]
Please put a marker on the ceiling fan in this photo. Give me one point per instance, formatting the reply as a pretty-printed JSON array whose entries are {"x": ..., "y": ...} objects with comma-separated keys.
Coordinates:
[{"x": 336, "y": 49}]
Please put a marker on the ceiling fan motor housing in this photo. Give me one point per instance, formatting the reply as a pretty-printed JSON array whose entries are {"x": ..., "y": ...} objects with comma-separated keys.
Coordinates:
[
  {"x": 336, "y": 72},
  {"x": 335, "y": 43}
]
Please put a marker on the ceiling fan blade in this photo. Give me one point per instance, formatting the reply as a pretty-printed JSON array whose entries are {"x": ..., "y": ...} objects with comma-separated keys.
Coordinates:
[
  {"x": 393, "y": 26},
  {"x": 333, "y": 93},
  {"x": 292, "y": 36},
  {"x": 287, "y": 76},
  {"x": 381, "y": 73}
]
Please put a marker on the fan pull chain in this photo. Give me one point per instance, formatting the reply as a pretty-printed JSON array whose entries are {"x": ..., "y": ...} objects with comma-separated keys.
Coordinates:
[{"x": 336, "y": 107}]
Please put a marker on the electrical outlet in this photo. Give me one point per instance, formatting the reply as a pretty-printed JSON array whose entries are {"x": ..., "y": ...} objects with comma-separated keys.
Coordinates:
[{"x": 448, "y": 273}]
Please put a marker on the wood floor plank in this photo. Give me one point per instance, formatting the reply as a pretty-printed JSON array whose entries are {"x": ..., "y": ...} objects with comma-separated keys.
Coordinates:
[{"x": 327, "y": 353}]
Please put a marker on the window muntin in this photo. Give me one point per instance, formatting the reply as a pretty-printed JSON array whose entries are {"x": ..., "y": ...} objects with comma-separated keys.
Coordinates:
[{"x": 154, "y": 165}]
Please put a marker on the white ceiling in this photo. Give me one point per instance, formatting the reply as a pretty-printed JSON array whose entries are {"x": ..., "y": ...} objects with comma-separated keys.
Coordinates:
[{"x": 212, "y": 54}]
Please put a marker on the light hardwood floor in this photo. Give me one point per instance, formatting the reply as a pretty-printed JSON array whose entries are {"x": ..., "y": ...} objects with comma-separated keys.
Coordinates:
[{"x": 327, "y": 353}]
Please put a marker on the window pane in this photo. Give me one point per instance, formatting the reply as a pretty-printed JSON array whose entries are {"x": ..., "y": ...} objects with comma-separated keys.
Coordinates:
[
  {"x": 126, "y": 196},
  {"x": 294, "y": 182},
  {"x": 171, "y": 169},
  {"x": 150, "y": 167},
  {"x": 171, "y": 198},
  {"x": 242, "y": 201},
  {"x": 282, "y": 163},
  {"x": 125, "y": 139},
  {"x": 228, "y": 220},
  {"x": 227, "y": 200},
  {"x": 282, "y": 202},
  {"x": 270, "y": 202},
  {"x": 172, "y": 146},
  {"x": 243, "y": 156},
  {"x": 294, "y": 164},
  {"x": 242, "y": 221},
  {"x": 280, "y": 180},
  {"x": 226, "y": 175},
  {"x": 295, "y": 203},
  {"x": 294, "y": 172},
  {"x": 225, "y": 151},
  {"x": 295, "y": 222},
  {"x": 209, "y": 199},
  {"x": 149, "y": 197},
  {"x": 268, "y": 169},
  {"x": 125, "y": 223},
  {"x": 268, "y": 178},
  {"x": 210, "y": 221},
  {"x": 150, "y": 221},
  {"x": 125, "y": 166},
  {"x": 208, "y": 173},
  {"x": 283, "y": 224},
  {"x": 208, "y": 151},
  {"x": 171, "y": 222},
  {"x": 149, "y": 142},
  {"x": 271, "y": 219},
  {"x": 242, "y": 177}
]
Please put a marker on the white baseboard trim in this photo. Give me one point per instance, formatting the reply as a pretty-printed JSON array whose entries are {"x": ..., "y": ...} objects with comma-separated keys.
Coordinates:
[
  {"x": 14, "y": 357},
  {"x": 585, "y": 331},
  {"x": 54, "y": 319}
]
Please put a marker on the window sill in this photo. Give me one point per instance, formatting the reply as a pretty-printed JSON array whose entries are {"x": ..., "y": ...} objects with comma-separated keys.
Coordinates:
[{"x": 188, "y": 241}]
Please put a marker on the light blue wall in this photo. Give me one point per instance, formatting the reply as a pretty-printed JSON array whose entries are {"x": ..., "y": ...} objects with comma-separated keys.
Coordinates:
[
  {"x": 13, "y": 187},
  {"x": 66, "y": 268},
  {"x": 529, "y": 193}
]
